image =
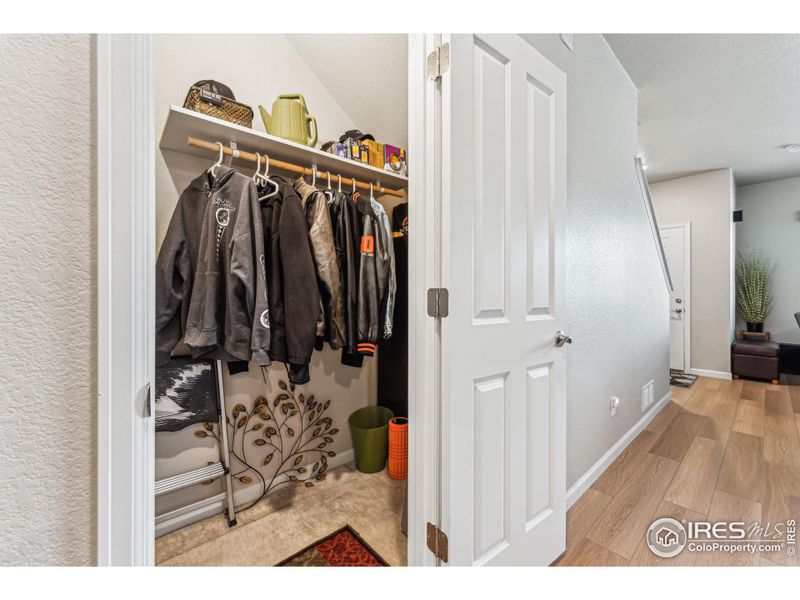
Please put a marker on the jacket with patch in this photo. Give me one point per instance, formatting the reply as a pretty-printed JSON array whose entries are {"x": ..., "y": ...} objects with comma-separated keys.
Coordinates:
[
  {"x": 210, "y": 280},
  {"x": 373, "y": 278}
]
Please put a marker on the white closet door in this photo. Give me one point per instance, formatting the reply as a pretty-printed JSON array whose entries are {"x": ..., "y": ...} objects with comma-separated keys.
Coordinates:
[{"x": 504, "y": 383}]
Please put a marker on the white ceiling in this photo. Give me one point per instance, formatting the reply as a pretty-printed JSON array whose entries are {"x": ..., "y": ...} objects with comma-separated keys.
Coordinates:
[
  {"x": 712, "y": 101},
  {"x": 367, "y": 75}
]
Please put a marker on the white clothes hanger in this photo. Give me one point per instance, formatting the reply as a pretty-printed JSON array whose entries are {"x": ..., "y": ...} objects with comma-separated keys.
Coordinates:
[
  {"x": 354, "y": 185},
  {"x": 313, "y": 176},
  {"x": 329, "y": 192},
  {"x": 213, "y": 168},
  {"x": 262, "y": 177},
  {"x": 371, "y": 195},
  {"x": 340, "y": 184},
  {"x": 257, "y": 174},
  {"x": 265, "y": 178}
]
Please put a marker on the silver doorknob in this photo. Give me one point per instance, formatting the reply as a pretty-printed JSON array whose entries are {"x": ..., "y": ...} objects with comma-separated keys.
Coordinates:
[{"x": 562, "y": 338}]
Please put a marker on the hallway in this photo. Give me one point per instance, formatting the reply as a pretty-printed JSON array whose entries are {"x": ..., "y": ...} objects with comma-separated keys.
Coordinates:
[{"x": 721, "y": 450}]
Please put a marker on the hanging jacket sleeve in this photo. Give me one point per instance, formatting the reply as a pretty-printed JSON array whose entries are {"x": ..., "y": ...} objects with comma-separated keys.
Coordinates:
[{"x": 173, "y": 275}]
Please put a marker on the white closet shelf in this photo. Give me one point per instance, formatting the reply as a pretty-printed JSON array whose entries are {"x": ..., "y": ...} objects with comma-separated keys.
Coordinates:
[{"x": 183, "y": 123}]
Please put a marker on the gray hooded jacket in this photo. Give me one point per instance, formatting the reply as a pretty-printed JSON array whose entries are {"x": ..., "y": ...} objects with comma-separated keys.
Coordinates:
[{"x": 210, "y": 275}]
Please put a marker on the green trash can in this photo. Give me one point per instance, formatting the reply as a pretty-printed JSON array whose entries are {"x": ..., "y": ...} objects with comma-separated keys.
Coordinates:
[{"x": 369, "y": 427}]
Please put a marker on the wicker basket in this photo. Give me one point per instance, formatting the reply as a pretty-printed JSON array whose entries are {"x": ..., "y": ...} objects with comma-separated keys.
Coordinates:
[{"x": 214, "y": 104}]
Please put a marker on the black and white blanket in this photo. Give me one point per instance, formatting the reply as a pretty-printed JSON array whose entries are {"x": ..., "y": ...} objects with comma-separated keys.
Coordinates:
[{"x": 186, "y": 393}]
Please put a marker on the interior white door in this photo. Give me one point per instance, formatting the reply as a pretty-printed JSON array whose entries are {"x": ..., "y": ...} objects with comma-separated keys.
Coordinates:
[
  {"x": 674, "y": 241},
  {"x": 504, "y": 381}
]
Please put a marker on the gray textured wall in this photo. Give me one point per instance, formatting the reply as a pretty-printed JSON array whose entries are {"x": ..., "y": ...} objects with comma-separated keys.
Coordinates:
[
  {"x": 617, "y": 301},
  {"x": 47, "y": 330},
  {"x": 772, "y": 225}
]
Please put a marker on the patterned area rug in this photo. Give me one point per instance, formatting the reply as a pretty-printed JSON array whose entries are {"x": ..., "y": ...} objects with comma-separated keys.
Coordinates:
[
  {"x": 681, "y": 379},
  {"x": 342, "y": 548}
]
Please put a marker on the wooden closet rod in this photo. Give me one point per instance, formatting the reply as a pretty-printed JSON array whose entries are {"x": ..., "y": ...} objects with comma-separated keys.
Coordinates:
[{"x": 279, "y": 164}]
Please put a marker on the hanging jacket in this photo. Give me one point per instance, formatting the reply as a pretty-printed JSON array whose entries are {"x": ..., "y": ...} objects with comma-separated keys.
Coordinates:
[
  {"x": 342, "y": 225},
  {"x": 347, "y": 226},
  {"x": 385, "y": 233},
  {"x": 210, "y": 279},
  {"x": 320, "y": 234},
  {"x": 373, "y": 278},
  {"x": 294, "y": 299},
  {"x": 175, "y": 268}
]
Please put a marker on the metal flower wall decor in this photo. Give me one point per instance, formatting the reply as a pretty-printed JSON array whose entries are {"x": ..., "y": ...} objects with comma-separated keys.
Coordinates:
[{"x": 276, "y": 440}]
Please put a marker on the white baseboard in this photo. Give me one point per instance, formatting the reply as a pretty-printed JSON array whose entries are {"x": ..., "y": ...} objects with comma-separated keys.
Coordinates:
[
  {"x": 186, "y": 515},
  {"x": 587, "y": 479},
  {"x": 707, "y": 373}
]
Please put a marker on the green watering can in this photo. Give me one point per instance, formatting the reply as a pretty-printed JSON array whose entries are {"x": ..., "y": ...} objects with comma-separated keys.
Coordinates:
[{"x": 290, "y": 120}]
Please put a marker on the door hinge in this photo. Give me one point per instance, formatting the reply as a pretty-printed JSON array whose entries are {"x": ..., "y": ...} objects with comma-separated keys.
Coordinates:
[
  {"x": 437, "y": 542},
  {"x": 438, "y": 62},
  {"x": 438, "y": 302}
]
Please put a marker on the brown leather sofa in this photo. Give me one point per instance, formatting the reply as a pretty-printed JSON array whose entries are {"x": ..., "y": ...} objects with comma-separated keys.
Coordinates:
[{"x": 755, "y": 359}]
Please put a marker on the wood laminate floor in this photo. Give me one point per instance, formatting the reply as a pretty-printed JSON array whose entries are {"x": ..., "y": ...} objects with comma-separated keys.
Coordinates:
[{"x": 721, "y": 450}]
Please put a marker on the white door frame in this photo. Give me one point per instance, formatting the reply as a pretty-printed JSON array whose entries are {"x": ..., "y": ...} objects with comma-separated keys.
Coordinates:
[
  {"x": 687, "y": 289},
  {"x": 126, "y": 299},
  {"x": 424, "y": 341}
]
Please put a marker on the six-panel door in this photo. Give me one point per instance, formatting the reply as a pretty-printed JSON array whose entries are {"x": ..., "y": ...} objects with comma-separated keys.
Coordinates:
[{"x": 504, "y": 187}]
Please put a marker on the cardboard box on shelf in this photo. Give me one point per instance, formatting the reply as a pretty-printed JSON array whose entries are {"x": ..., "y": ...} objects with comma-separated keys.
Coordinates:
[
  {"x": 340, "y": 149},
  {"x": 375, "y": 153},
  {"x": 353, "y": 149},
  {"x": 394, "y": 159},
  {"x": 364, "y": 153}
]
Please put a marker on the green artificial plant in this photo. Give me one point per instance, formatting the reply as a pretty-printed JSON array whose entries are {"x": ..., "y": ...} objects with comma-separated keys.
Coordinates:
[{"x": 753, "y": 287}]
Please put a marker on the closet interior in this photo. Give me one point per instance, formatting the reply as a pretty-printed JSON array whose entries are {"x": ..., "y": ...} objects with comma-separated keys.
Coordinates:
[{"x": 281, "y": 300}]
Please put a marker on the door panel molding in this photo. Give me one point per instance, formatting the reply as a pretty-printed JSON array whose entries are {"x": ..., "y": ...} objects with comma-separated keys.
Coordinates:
[
  {"x": 538, "y": 457},
  {"x": 489, "y": 451},
  {"x": 491, "y": 182},
  {"x": 539, "y": 151}
]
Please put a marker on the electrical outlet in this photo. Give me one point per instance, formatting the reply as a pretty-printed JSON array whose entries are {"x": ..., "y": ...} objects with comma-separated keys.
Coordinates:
[
  {"x": 614, "y": 405},
  {"x": 648, "y": 395}
]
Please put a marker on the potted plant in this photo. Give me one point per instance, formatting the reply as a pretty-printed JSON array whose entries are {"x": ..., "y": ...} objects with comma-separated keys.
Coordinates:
[{"x": 753, "y": 289}]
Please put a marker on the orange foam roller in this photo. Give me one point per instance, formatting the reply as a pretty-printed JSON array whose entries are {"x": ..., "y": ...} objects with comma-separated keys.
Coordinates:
[{"x": 398, "y": 448}]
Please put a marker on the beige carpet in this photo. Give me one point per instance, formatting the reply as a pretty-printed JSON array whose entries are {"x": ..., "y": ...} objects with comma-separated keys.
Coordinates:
[{"x": 292, "y": 519}]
